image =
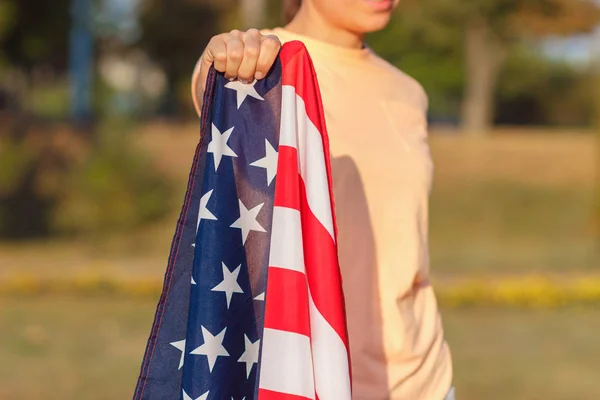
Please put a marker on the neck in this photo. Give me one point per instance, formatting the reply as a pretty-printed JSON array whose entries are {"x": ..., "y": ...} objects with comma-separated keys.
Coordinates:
[{"x": 308, "y": 22}]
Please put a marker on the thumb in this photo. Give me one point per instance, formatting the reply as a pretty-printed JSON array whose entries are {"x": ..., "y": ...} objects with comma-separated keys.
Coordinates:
[{"x": 199, "y": 82}]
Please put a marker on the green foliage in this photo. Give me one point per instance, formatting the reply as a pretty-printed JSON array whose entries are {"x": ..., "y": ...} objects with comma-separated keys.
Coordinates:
[
  {"x": 174, "y": 35},
  {"x": 510, "y": 19},
  {"x": 15, "y": 159},
  {"x": 50, "y": 100},
  {"x": 116, "y": 188},
  {"x": 54, "y": 181},
  {"x": 483, "y": 31},
  {"x": 430, "y": 53},
  {"x": 24, "y": 159},
  {"x": 7, "y": 12},
  {"x": 534, "y": 90},
  {"x": 37, "y": 32}
]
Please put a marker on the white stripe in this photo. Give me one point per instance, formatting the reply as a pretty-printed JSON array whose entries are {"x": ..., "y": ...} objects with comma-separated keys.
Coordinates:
[
  {"x": 288, "y": 136},
  {"x": 330, "y": 358},
  {"x": 286, "y": 240},
  {"x": 286, "y": 363},
  {"x": 298, "y": 131}
]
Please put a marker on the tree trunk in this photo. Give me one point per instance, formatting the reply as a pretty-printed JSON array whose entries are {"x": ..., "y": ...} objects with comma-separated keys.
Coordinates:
[
  {"x": 484, "y": 54},
  {"x": 253, "y": 13}
]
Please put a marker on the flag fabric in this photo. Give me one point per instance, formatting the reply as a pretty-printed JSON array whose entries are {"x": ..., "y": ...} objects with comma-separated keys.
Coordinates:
[{"x": 252, "y": 304}]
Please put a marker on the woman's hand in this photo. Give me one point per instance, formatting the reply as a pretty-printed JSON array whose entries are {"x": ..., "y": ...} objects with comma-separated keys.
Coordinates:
[{"x": 240, "y": 55}]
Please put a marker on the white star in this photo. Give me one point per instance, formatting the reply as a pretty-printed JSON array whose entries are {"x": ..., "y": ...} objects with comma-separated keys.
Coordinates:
[
  {"x": 203, "y": 213},
  {"x": 247, "y": 221},
  {"x": 193, "y": 281},
  {"x": 218, "y": 145},
  {"x": 188, "y": 397},
  {"x": 229, "y": 284},
  {"x": 250, "y": 356},
  {"x": 243, "y": 90},
  {"x": 260, "y": 297},
  {"x": 212, "y": 347},
  {"x": 180, "y": 345},
  {"x": 269, "y": 162}
]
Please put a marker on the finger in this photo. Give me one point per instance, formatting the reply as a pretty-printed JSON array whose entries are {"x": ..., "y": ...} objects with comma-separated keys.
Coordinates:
[
  {"x": 216, "y": 52},
  {"x": 252, "y": 40},
  {"x": 268, "y": 53},
  {"x": 234, "y": 53}
]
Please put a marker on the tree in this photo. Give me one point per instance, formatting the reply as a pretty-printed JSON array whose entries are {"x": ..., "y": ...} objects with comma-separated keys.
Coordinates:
[
  {"x": 488, "y": 29},
  {"x": 174, "y": 34},
  {"x": 427, "y": 51},
  {"x": 34, "y": 32}
]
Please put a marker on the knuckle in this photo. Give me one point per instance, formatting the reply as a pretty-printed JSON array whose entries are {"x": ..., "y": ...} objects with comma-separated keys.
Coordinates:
[
  {"x": 220, "y": 56},
  {"x": 235, "y": 33},
  {"x": 219, "y": 38},
  {"x": 251, "y": 51},
  {"x": 214, "y": 40},
  {"x": 235, "y": 54},
  {"x": 271, "y": 42},
  {"x": 216, "y": 43},
  {"x": 253, "y": 32}
]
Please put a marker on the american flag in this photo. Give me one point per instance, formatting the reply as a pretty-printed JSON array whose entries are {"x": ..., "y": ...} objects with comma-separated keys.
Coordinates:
[{"x": 252, "y": 304}]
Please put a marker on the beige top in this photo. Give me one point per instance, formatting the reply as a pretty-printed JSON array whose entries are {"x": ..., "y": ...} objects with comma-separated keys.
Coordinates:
[{"x": 382, "y": 175}]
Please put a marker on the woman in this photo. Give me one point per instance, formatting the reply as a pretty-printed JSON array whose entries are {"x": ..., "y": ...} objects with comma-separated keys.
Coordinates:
[{"x": 382, "y": 171}]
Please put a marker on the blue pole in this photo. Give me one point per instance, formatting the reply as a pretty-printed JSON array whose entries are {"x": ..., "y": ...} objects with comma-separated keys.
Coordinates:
[{"x": 81, "y": 60}]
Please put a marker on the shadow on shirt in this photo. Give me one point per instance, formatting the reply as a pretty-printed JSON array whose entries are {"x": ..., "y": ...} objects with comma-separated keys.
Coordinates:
[{"x": 358, "y": 263}]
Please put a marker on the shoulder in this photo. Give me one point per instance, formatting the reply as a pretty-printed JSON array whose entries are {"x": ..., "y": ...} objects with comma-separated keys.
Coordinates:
[{"x": 404, "y": 87}]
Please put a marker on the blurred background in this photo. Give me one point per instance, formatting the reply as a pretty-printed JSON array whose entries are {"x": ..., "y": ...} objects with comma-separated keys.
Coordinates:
[{"x": 97, "y": 134}]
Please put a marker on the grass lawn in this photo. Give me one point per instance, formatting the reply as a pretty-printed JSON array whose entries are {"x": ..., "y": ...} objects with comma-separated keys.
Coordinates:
[
  {"x": 506, "y": 228},
  {"x": 524, "y": 355},
  {"x": 91, "y": 348}
]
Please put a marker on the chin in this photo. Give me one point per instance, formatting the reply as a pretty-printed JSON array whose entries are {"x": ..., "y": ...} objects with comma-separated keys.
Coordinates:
[{"x": 372, "y": 23}]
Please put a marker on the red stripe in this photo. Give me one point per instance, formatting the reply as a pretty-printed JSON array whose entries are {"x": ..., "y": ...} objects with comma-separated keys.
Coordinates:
[
  {"x": 287, "y": 300},
  {"x": 287, "y": 190},
  {"x": 264, "y": 394},
  {"x": 298, "y": 71},
  {"x": 322, "y": 269},
  {"x": 320, "y": 251}
]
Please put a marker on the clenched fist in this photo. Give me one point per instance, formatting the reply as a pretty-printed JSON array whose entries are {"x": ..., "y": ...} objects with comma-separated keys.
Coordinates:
[{"x": 239, "y": 55}]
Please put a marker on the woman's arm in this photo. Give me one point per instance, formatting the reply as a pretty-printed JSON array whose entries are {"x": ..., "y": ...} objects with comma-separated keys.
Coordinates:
[{"x": 240, "y": 55}]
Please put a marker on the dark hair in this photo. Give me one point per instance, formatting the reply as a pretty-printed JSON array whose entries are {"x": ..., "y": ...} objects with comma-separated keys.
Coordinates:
[{"x": 290, "y": 8}]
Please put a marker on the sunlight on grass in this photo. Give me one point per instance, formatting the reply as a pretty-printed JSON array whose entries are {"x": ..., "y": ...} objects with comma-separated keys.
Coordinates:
[
  {"x": 91, "y": 348},
  {"x": 508, "y": 227},
  {"x": 523, "y": 355}
]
